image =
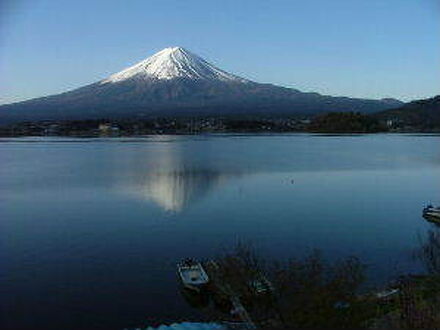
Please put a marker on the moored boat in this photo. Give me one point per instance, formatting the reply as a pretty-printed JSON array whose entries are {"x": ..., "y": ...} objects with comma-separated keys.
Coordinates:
[
  {"x": 431, "y": 213},
  {"x": 260, "y": 285},
  {"x": 192, "y": 274}
]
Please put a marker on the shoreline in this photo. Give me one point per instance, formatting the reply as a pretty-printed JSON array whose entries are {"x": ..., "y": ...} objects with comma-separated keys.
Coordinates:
[{"x": 250, "y": 133}]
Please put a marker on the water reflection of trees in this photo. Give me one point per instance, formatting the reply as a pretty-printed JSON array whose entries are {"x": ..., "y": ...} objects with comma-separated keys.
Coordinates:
[
  {"x": 419, "y": 295},
  {"x": 312, "y": 293},
  {"x": 429, "y": 252}
]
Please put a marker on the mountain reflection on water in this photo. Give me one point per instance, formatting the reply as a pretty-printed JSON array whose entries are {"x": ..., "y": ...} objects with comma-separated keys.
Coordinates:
[
  {"x": 178, "y": 188},
  {"x": 177, "y": 171},
  {"x": 174, "y": 178}
]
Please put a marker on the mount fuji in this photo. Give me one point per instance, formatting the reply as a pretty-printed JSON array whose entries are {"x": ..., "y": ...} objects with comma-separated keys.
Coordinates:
[{"x": 176, "y": 82}]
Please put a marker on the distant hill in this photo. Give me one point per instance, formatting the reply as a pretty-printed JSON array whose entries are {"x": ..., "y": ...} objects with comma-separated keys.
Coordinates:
[
  {"x": 176, "y": 82},
  {"x": 420, "y": 114}
]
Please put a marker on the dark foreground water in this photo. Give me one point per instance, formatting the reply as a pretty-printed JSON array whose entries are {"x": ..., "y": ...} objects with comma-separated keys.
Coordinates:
[{"x": 91, "y": 229}]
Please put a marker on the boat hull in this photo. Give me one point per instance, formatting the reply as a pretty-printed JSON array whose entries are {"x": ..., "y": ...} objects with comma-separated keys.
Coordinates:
[
  {"x": 197, "y": 288},
  {"x": 192, "y": 275},
  {"x": 433, "y": 217},
  {"x": 431, "y": 213}
]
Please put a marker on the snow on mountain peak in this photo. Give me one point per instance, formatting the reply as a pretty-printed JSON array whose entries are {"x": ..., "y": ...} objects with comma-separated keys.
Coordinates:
[{"x": 170, "y": 63}]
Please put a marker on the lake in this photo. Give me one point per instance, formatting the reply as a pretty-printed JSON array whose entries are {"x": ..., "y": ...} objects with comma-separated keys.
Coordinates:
[{"x": 91, "y": 229}]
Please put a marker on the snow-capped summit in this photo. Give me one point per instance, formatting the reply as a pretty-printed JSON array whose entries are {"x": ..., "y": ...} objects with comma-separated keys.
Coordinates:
[{"x": 170, "y": 63}]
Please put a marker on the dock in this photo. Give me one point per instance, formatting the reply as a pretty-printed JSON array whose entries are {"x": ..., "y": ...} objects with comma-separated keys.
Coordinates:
[
  {"x": 261, "y": 314},
  {"x": 222, "y": 288}
]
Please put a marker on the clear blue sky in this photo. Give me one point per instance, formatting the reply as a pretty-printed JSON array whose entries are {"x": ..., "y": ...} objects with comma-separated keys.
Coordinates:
[{"x": 359, "y": 48}]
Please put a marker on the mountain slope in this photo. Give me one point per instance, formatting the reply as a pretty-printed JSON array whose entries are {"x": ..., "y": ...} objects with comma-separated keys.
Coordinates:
[
  {"x": 421, "y": 114},
  {"x": 175, "y": 82}
]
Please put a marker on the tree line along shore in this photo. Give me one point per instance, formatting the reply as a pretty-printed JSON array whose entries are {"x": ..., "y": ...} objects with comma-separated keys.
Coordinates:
[{"x": 333, "y": 122}]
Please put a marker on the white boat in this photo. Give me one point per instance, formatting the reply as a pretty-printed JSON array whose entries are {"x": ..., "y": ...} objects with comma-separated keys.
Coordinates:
[
  {"x": 431, "y": 213},
  {"x": 192, "y": 274},
  {"x": 387, "y": 294}
]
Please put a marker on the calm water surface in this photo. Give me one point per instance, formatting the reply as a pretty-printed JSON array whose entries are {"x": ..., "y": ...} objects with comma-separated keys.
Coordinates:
[{"x": 91, "y": 229}]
